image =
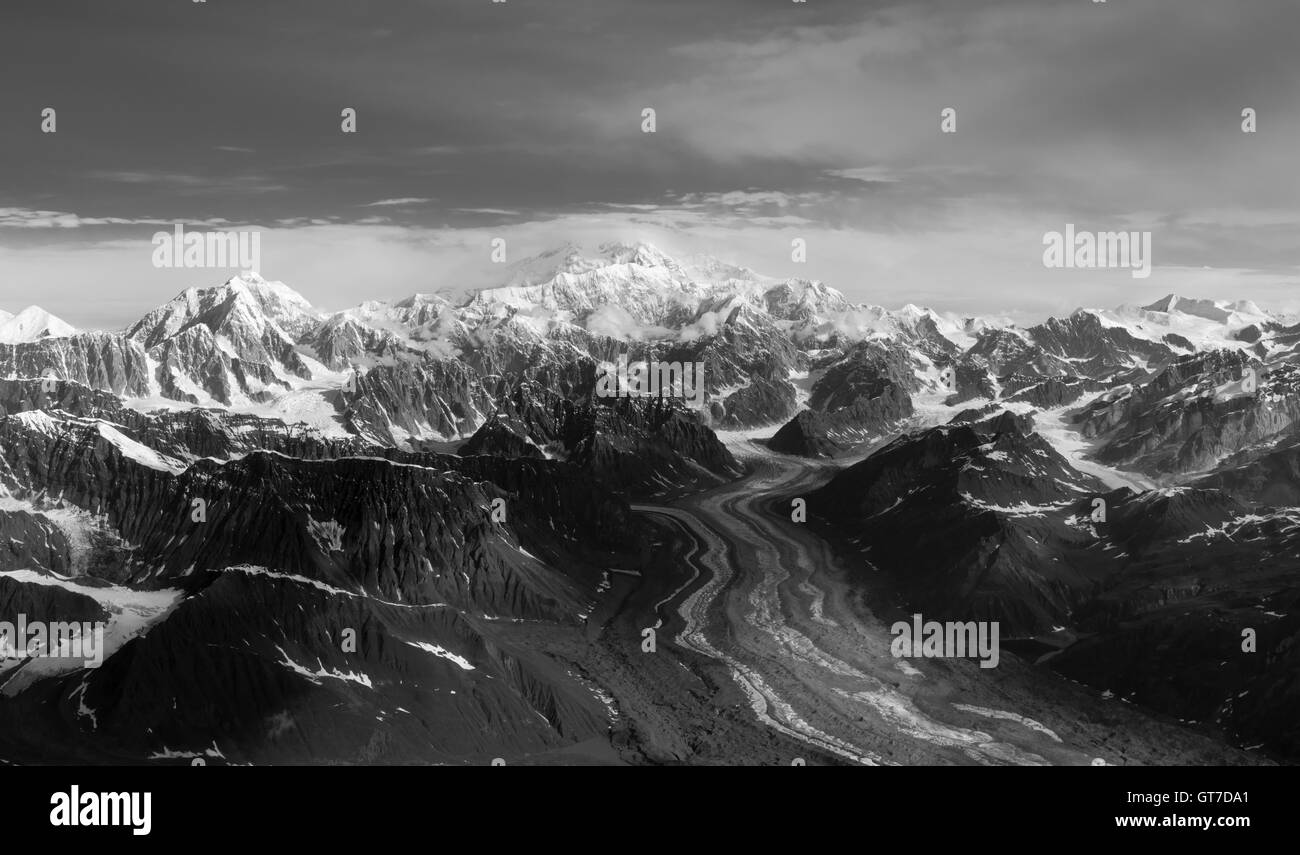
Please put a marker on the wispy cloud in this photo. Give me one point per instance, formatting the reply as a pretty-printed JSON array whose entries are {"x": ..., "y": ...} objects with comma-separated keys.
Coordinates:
[
  {"x": 404, "y": 201},
  {"x": 496, "y": 211},
  {"x": 867, "y": 174},
  {"x": 28, "y": 218},
  {"x": 191, "y": 183}
]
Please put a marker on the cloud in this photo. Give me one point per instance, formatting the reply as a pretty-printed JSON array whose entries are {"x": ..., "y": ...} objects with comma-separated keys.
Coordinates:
[
  {"x": 27, "y": 218},
  {"x": 191, "y": 183},
  {"x": 818, "y": 123},
  {"x": 1047, "y": 98},
  {"x": 867, "y": 174},
  {"x": 616, "y": 322},
  {"x": 978, "y": 260},
  {"x": 405, "y": 200}
]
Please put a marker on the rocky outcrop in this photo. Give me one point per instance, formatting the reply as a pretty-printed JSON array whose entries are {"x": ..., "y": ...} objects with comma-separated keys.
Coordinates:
[
  {"x": 97, "y": 360},
  {"x": 1192, "y": 414},
  {"x": 438, "y": 400},
  {"x": 1057, "y": 391},
  {"x": 1261, "y": 476},
  {"x": 29, "y": 541},
  {"x": 957, "y": 521},
  {"x": 502, "y": 437},
  {"x": 761, "y": 402},
  {"x": 880, "y": 407},
  {"x": 261, "y": 667}
]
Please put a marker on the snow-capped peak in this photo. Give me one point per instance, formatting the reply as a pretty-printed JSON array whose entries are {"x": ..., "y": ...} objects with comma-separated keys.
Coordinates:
[
  {"x": 637, "y": 277},
  {"x": 545, "y": 266},
  {"x": 1239, "y": 313},
  {"x": 1165, "y": 304},
  {"x": 1204, "y": 324},
  {"x": 275, "y": 299},
  {"x": 246, "y": 300},
  {"x": 570, "y": 258},
  {"x": 32, "y": 324},
  {"x": 640, "y": 253}
]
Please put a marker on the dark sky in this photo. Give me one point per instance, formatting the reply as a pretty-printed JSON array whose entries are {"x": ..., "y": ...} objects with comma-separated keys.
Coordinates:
[{"x": 776, "y": 120}]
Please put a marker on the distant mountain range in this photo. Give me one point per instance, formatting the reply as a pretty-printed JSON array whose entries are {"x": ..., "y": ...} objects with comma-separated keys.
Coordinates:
[{"x": 424, "y": 369}]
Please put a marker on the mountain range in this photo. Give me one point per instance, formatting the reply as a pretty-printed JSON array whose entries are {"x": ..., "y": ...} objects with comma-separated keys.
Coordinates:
[{"x": 411, "y": 531}]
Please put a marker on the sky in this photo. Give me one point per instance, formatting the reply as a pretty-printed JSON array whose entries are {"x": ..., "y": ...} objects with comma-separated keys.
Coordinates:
[{"x": 775, "y": 121}]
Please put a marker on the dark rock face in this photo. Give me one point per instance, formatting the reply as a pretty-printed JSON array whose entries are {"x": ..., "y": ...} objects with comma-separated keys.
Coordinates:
[
  {"x": 761, "y": 401},
  {"x": 294, "y": 672},
  {"x": 183, "y": 434},
  {"x": 859, "y": 396},
  {"x": 1261, "y": 476},
  {"x": 805, "y": 435},
  {"x": 196, "y": 355},
  {"x": 860, "y": 375},
  {"x": 98, "y": 360},
  {"x": 46, "y": 602},
  {"x": 1080, "y": 345},
  {"x": 1154, "y": 589},
  {"x": 640, "y": 444},
  {"x": 1057, "y": 392},
  {"x": 1191, "y": 415},
  {"x": 1185, "y": 659},
  {"x": 393, "y": 527},
  {"x": 748, "y": 347},
  {"x": 443, "y": 398},
  {"x": 1168, "y": 630},
  {"x": 990, "y": 420},
  {"x": 341, "y": 342},
  {"x": 30, "y": 541},
  {"x": 970, "y": 415},
  {"x": 1095, "y": 349},
  {"x": 644, "y": 445},
  {"x": 419, "y": 556},
  {"x": 958, "y": 520},
  {"x": 24, "y": 395},
  {"x": 825, "y": 434},
  {"x": 1249, "y": 334},
  {"x": 970, "y": 378},
  {"x": 502, "y": 437}
]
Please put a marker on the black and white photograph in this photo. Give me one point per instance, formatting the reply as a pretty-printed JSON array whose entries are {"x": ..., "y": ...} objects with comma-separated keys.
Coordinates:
[{"x": 895, "y": 383}]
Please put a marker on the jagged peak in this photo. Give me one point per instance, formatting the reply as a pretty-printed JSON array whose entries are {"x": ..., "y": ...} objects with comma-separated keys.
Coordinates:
[
  {"x": 1166, "y": 303},
  {"x": 415, "y": 301},
  {"x": 244, "y": 286},
  {"x": 1213, "y": 310},
  {"x": 913, "y": 312},
  {"x": 249, "y": 277},
  {"x": 33, "y": 324},
  {"x": 246, "y": 300},
  {"x": 253, "y": 284}
]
